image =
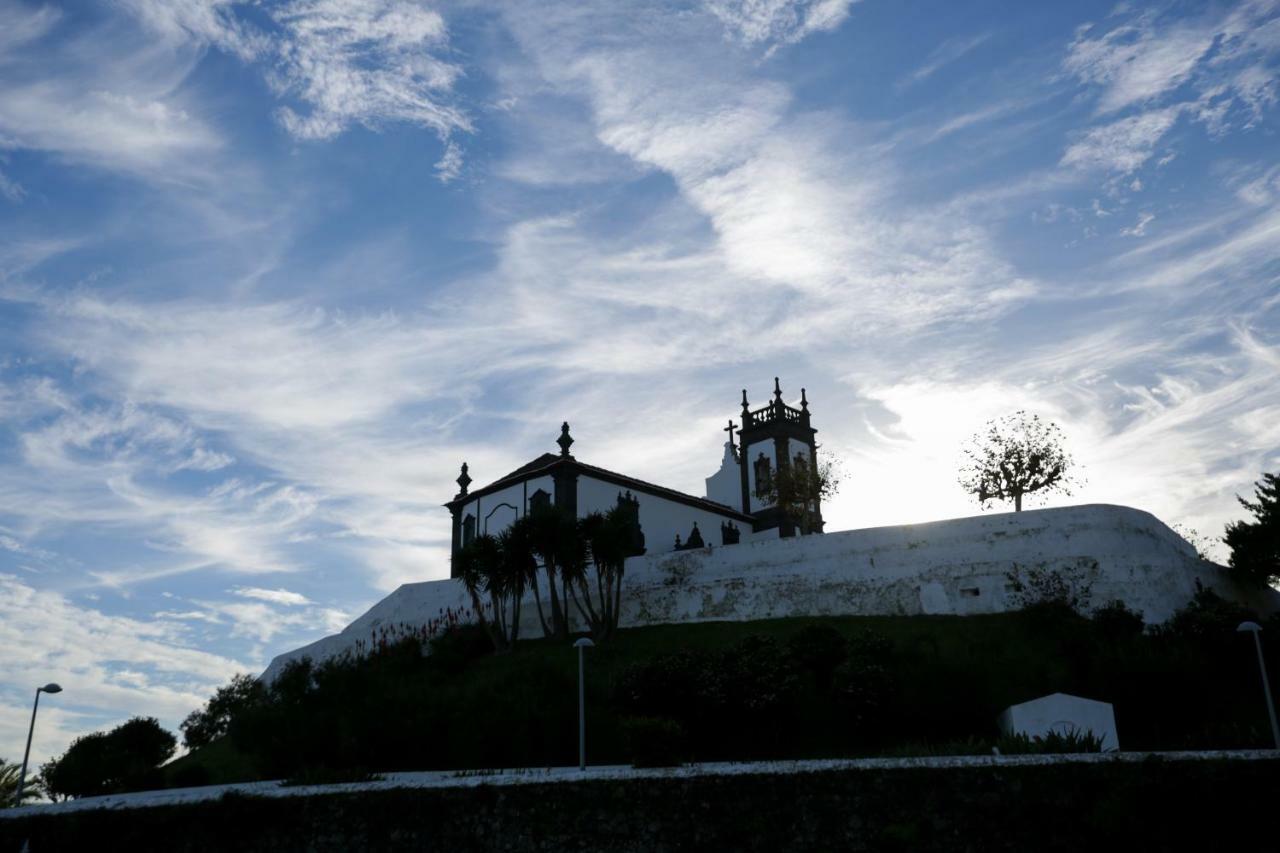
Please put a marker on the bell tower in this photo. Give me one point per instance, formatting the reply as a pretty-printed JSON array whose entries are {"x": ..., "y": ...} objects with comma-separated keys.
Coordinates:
[{"x": 771, "y": 439}]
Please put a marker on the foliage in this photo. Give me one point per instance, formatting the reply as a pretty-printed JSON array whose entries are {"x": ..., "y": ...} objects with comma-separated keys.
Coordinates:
[
  {"x": 1017, "y": 455},
  {"x": 1193, "y": 538},
  {"x": 1053, "y": 743},
  {"x": 798, "y": 488},
  {"x": 654, "y": 741},
  {"x": 1066, "y": 587},
  {"x": 1255, "y": 545},
  {"x": 1117, "y": 621},
  {"x": 1208, "y": 618},
  {"x": 210, "y": 722},
  {"x": 863, "y": 683},
  {"x": 494, "y": 571},
  {"x": 560, "y": 551},
  {"x": 126, "y": 758},
  {"x": 608, "y": 539},
  {"x": 9, "y": 785},
  {"x": 819, "y": 649},
  {"x": 741, "y": 691}
]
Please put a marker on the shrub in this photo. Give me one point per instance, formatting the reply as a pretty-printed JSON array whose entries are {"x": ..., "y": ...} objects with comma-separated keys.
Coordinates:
[
  {"x": 1207, "y": 618},
  {"x": 127, "y": 758},
  {"x": 211, "y": 722},
  {"x": 818, "y": 649},
  {"x": 1053, "y": 743},
  {"x": 653, "y": 741},
  {"x": 1115, "y": 620},
  {"x": 1066, "y": 586},
  {"x": 459, "y": 645},
  {"x": 863, "y": 684}
]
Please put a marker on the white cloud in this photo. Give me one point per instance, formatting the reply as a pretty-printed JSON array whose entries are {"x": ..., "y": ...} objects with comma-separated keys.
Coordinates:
[
  {"x": 274, "y": 596},
  {"x": 944, "y": 54},
  {"x": 1139, "y": 228},
  {"x": 106, "y": 98},
  {"x": 366, "y": 62},
  {"x": 1124, "y": 145},
  {"x": 110, "y": 667},
  {"x": 779, "y": 21},
  {"x": 1134, "y": 63}
]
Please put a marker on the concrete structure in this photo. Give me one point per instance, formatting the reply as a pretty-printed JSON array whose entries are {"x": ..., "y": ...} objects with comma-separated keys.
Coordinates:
[
  {"x": 1063, "y": 714},
  {"x": 959, "y": 566}
]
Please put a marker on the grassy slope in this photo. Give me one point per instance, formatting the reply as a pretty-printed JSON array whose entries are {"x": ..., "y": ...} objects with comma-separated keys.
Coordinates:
[{"x": 953, "y": 675}]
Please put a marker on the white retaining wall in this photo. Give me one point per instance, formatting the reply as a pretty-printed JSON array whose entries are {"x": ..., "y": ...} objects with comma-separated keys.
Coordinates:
[{"x": 958, "y": 566}]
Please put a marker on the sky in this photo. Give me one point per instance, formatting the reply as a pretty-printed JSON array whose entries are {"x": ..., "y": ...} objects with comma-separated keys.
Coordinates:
[{"x": 270, "y": 271}]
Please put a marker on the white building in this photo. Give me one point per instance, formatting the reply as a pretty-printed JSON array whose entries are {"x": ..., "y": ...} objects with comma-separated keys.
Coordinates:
[{"x": 665, "y": 520}]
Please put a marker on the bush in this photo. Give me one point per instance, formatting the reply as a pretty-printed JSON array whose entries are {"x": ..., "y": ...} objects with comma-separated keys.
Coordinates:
[
  {"x": 1053, "y": 743},
  {"x": 863, "y": 684},
  {"x": 127, "y": 758},
  {"x": 458, "y": 646},
  {"x": 1117, "y": 621},
  {"x": 1208, "y": 618},
  {"x": 818, "y": 649},
  {"x": 212, "y": 721},
  {"x": 654, "y": 741}
]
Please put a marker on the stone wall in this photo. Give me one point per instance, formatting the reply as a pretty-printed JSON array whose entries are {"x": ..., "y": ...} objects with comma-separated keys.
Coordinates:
[
  {"x": 958, "y": 566},
  {"x": 1144, "y": 804}
]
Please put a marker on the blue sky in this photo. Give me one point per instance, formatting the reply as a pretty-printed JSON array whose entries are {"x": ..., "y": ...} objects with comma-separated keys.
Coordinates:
[{"x": 270, "y": 271}]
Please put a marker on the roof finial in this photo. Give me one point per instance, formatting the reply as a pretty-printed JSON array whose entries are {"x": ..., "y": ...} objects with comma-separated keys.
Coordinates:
[
  {"x": 777, "y": 390},
  {"x": 464, "y": 480},
  {"x": 746, "y": 409},
  {"x": 565, "y": 439},
  {"x": 729, "y": 429},
  {"x": 804, "y": 402}
]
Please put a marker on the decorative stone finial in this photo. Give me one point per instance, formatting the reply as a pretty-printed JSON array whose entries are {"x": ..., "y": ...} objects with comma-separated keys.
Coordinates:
[
  {"x": 565, "y": 440},
  {"x": 464, "y": 480},
  {"x": 777, "y": 390},
  {"x": 804, "y": 402}
]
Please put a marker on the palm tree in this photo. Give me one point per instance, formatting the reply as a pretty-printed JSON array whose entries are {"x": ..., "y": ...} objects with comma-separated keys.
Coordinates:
[
  {"x": 607, "y": 537},
  {"x": 554, "y": 540},
  {"x": 9, "y": 785},
  {"x": 480, "y": 570}
]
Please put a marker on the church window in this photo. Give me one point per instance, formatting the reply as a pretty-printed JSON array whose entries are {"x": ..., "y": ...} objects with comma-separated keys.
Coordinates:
[{"x": 764, "y": 475}]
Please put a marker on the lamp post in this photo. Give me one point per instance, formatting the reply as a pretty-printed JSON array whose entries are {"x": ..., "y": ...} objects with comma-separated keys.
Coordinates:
[
  {"x": 1254, "y": 628},
  {"x": 22, "y": 777},
  {"x": 580, "y": 645}
]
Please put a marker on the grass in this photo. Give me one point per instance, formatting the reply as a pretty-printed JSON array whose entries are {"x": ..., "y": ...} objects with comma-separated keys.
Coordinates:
[{"x": 952, "y": 675}]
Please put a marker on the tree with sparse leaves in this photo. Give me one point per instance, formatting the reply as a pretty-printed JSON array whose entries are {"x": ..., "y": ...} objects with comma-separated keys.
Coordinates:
[
  {"x": 798, "y": 490},
  {"x": 1015, "y": 456},
  {"x": 1255, "y": 545}
]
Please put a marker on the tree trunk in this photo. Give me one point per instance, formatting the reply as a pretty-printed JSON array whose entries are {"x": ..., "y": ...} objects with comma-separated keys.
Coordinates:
[{"x": 1017, "y": 502}]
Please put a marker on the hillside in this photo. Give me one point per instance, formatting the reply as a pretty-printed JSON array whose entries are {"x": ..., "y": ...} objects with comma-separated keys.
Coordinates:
[{"x": 749, "y": 690}]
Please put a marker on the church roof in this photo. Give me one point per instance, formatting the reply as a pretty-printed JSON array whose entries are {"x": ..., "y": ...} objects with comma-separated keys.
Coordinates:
[{"x": 542, "y": 465}]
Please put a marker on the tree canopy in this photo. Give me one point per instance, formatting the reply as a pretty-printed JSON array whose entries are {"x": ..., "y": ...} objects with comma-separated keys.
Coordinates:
[
  {"x": 1255, "y": 545},
  {"x": 123, "y": 759},
  {"x": 1015, "y": 456},
  {"x": 210, "y": 722}
]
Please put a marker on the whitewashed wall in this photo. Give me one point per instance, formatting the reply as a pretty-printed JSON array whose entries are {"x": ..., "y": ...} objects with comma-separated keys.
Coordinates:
[
  {"x": 725, "y": 485},
  {"x": 957, "y": 566},
  {"x": 661, "y": 519},
  {"x": 515, "y": 496},
  {"x": 753, "y": 452}
]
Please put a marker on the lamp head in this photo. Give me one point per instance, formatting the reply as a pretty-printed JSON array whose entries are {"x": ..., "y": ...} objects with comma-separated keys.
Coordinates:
[
  {"x": 583, "y": 643},
  {"x": 52, "y": 688},
  {"x": 1248, "y": 626}
]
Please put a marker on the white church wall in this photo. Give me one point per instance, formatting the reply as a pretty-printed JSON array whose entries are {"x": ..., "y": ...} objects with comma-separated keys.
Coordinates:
[
  {"x": 725, "y": 485},
  {"x": 492, "y": 519},
  {"x": 795, "y": 447},
  {"x": 957, "y": 566},
  {"x": 661, "y": 519}
]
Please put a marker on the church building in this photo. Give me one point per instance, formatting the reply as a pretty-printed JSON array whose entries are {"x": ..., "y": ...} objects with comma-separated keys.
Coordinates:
[{"x": 737, "y": 506}]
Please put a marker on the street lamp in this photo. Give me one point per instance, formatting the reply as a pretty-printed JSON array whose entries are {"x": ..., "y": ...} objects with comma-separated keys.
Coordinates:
[
  {"x": 22, "y": 777},
  {"x": 1254, "y": 628},
  {"x": 583, "y": 643}
]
